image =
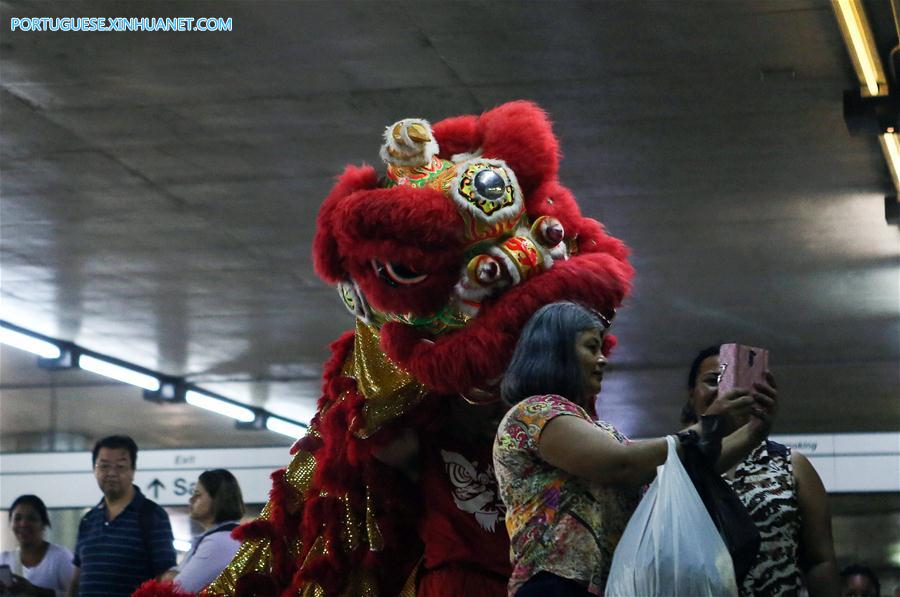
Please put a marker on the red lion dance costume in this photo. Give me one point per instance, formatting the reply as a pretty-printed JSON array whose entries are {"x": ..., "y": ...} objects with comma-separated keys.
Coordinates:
[{"x": 442, "y": 261}]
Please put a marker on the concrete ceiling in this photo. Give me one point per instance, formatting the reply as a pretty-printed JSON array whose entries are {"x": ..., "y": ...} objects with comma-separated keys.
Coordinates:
[{"x": 159, "y": 192}]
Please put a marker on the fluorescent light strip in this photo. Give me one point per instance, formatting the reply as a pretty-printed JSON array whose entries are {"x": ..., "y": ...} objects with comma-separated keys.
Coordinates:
[
  {"x": 284, "y": 427},
  {"x": 221, "y": 407},
  {"x": 118, "y": 372},
  {"x": 890, "y": 143},
  {"x": 853, "y": 20},
  {"x": 41, "y": 348},
  {"x": 133, "y": 377}
]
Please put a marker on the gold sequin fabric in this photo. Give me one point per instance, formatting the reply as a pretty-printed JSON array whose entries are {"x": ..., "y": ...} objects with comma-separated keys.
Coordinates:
[
  {"x": 373, "y": 533},
  {"x": 361, "y": 584},
  {"x": 254, "y": 555},
  {"x": 388, "y": 389},
  {"x": 411, "y": 584},
  {"x": 350, "y": 534},
  {"x": 300, "y": 471},
  {"x": 312, "y": 590}
]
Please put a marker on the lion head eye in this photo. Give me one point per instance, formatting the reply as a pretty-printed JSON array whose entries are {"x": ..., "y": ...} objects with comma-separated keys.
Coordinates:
[
  {"x": 397, "y": 274},
  {"x": 489, "y": 184}
]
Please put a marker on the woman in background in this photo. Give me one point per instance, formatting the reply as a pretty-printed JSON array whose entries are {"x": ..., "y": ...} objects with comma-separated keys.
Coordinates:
[
  {"x": 217, "y": 504},
  {"x": 859, "y": 581},
  {"x": 39, "y": 568},
  {"x": 785, "y": 498},
  {"x": 570, "y": 483}
]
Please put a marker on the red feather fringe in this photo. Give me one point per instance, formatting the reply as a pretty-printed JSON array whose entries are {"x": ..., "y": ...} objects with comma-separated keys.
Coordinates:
[{"x": 155, "y": 588}]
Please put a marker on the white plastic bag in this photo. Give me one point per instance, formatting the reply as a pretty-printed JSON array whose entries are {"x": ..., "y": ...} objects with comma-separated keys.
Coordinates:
[{"x": 671, "y": 546}]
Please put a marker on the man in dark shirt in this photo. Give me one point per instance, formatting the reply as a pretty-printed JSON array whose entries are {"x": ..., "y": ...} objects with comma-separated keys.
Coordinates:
[{"x": 125, "y": 539}]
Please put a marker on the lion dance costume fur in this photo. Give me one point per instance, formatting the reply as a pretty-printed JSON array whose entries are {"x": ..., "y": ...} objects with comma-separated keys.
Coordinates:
[{"x": 442, "y": 260}]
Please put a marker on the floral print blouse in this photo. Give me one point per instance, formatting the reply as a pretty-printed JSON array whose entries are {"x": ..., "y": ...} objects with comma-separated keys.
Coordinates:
[{"x": 556, "y": 522}]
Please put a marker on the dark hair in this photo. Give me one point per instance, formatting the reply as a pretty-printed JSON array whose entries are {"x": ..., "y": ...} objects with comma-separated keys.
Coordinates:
[
  {"x": 709, "y": 351},
  {"x": 860, "y": 570},
  {"x": 223, "y": 488},
  {"x": 116, "y": 442},
  {"x": 544, "y": 361},
  {"x": 688, "y": 414},
  {"x": 36, "y": 503}
]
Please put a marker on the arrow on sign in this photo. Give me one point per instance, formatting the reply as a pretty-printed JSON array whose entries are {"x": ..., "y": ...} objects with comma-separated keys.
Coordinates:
[{"x": 155, "y": 486}]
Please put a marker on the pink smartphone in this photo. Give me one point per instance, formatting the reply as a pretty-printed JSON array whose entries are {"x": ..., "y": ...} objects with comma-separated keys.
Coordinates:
[{"x": 741, "y": 366}]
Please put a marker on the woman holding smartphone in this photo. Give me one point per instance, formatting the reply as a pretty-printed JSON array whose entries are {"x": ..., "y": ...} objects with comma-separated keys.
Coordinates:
[
  {"x": 570, "y": 483},
  {"x": 37, "y": 567},
  {"x": 783, "y": 494}
]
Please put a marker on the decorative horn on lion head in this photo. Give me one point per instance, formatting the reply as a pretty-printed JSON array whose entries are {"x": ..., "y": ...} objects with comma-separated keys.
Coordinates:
[{"x": 466, "y": 235}]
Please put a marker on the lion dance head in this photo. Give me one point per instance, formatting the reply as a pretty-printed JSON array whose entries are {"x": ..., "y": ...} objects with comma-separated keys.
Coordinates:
[{"x": 466, "y": 235}]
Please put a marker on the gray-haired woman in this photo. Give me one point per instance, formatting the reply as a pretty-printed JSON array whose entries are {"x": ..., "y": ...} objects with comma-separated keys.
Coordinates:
[{"x": 570, "y": 483}]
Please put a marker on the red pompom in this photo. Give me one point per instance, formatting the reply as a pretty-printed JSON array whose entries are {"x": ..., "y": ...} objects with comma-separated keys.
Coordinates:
[{"x": 458, "y": 134}]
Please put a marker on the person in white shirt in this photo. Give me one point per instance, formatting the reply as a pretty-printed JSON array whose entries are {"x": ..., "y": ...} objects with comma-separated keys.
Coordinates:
[
  {"x": 39, "y": 568},
  {"x": 217, "y": 504}
]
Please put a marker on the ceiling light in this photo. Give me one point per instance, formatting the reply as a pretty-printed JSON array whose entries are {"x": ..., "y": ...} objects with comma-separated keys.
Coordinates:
[
  {"x": 170, "y": 390},
  {"x": 118, "y": 372},
  {"x": 255, "y": 425},
  {"x": 890, "y": 143},
  {"x": 219, "y": 406},
  {"x": 285, "y": 427},
  {"x": 59, "y": 354},
  {"x": 29, "y": 343},
  {"x": 858, "y": 37}
]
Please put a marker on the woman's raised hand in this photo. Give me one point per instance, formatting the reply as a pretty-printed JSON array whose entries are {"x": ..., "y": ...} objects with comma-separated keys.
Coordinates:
[
  {"x": 765, "y": 407},
  {"x": 734, "y": 407}
]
